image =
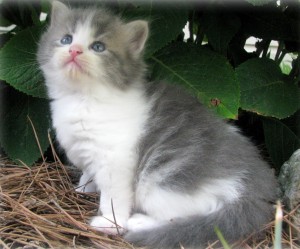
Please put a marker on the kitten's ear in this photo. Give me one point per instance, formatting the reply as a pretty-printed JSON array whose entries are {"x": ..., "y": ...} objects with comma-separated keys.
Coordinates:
[
  {"x": 137, "y": 32},
  {"x": 59, "y": 10}
]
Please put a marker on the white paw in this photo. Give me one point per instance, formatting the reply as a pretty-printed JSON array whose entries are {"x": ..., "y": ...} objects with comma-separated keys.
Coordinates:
[
  {"x": 107, "y": 225},
  {"x": 139, "y": 222}
]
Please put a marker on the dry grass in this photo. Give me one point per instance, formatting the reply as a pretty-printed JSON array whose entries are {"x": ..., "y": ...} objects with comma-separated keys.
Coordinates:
[{"x": 39, "y": 208}]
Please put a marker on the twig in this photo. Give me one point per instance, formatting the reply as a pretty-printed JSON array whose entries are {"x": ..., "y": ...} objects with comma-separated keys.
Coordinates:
[
  {"x": 76, "y": 223},
  {"x": 113, "y": 212},
  {"x": 3, "y": 244},
  {"x": 36, "y": 138}
]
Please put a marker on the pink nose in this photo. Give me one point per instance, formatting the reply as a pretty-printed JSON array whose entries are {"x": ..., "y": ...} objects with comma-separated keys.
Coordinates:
[{"x": 75, "y": 50}]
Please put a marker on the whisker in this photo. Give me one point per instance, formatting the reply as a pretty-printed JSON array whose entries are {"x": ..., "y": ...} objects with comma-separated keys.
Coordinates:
[
  {"x": 21, "y": 67},
  {"x": 25, "y": 51}
]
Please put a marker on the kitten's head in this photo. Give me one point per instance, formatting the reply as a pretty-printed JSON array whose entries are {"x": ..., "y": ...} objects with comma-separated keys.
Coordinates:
[{"x": 92, "y": 45}]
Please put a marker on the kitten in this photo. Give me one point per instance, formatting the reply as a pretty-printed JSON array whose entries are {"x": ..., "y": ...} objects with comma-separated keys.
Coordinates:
[{"x": 171, "y": 170}]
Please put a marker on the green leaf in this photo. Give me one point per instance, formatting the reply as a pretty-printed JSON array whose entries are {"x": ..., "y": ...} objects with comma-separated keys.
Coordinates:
[
  {"x": 16, "y": 132},
  {"x": 206, "y": 73},
  {"x": 269, "y": 22},
  {"x": 165, "y": 23},
  {"x": 220, "y": 28},
  {"x": 264, "y": 89},
  {"x": 18, "y": 64},
  {"x": 4, "y": 38},
  {"x": 281, "y": 141}
]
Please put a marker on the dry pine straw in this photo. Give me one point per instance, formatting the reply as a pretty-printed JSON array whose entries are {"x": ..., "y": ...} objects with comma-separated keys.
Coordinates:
[{"x": 39, "y": 208}]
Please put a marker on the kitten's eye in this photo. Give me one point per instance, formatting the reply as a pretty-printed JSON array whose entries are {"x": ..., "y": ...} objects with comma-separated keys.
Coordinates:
[
  {"x": 67, "y": 39},
  {"x": 98, "y": 47}
]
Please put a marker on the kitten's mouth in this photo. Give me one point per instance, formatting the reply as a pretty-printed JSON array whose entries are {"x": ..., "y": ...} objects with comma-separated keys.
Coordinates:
[
  {"x": 73, "y": 64},
  {"x": 74, "y": 69}
]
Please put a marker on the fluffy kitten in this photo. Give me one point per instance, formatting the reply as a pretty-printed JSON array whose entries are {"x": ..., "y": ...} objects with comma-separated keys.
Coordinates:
[{"x": 171, "y": 169}]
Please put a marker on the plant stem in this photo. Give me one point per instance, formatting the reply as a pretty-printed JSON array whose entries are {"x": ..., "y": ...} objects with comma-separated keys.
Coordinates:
[
  {"x": 222, "y": 239},
  {"x": 278, "y": 226}
]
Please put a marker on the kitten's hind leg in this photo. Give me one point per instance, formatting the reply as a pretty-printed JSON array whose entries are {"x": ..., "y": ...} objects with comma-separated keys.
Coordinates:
[
  {"x": 86, "y": 184},
  {"x": 139, "y": 222}
]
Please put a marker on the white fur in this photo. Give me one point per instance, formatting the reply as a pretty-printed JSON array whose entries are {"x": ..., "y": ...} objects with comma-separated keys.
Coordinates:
[
  {"x": 162, "y": 204},
  {"x": 98, "y": 125},
  {"x": 139, "y": 222},
  {"x": 100, "y": 138},
  {"x": 165, "y": 206}
]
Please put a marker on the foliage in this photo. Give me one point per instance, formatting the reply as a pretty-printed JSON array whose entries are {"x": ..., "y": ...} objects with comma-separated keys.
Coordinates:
[{"x": 212, "y": 63}]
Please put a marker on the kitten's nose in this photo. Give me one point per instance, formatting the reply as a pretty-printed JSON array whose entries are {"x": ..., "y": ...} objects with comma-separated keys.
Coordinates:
[{"x": 75, "y": 50}]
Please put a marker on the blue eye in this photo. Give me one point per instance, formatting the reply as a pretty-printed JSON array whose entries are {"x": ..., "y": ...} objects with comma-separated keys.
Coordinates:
[
  {"x": 67, "y": 39},
  {"x": 98, "y": 47}
]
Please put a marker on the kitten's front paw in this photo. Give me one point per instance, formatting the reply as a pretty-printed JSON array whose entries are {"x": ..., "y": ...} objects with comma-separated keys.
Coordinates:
[{"x": 107, "y": 225}]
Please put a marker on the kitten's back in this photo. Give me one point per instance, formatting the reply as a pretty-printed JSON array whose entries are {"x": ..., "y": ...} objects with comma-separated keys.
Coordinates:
[{"x": 186, "y": 148}]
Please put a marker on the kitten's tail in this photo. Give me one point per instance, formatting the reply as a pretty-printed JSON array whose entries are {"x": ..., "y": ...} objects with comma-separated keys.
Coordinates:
[{"x": 234, "y": 221}]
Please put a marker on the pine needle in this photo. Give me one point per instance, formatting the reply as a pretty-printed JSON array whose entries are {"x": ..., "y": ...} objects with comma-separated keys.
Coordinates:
[{"x": 39, "y": 208}]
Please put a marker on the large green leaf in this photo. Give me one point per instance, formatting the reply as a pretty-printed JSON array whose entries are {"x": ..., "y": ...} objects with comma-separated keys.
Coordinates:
[
  {"x": 18, "y": 65},
  {"x": 281, "y": 141},
  {"x": 16, "y": 131},
  {"x": 165, "y": 22},
  {"x": 206, "y": 73},
  {"x": 264, "y": 89},
  {"x": 220, "y": 28}
]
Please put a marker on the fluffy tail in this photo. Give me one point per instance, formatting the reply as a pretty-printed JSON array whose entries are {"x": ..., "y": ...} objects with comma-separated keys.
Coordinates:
[{"x": 235, "y": 221}]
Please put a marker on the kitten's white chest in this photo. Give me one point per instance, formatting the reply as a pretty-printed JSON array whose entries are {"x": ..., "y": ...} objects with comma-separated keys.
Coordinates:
[{"x": 98, "y": 131}]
